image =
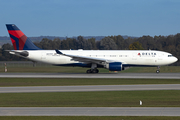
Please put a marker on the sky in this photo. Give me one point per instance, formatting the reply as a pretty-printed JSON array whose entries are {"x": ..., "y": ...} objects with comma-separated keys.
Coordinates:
[{"x": 91, "y": 17}]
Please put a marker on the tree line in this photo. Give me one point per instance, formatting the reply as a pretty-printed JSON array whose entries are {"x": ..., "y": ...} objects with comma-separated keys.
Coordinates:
[{"x": 169, "y": 44}]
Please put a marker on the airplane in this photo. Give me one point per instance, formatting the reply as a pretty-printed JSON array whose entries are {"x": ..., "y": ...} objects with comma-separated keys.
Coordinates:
[{"x": 114, "y": 60}]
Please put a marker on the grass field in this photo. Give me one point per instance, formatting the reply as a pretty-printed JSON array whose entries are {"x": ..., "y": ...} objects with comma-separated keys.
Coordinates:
[
  {"x": 85, "y": 118},
  {"x": 161, "y": 98},
  {"x": 80, "y": 81},
  {"x": 58, "y": 69}
]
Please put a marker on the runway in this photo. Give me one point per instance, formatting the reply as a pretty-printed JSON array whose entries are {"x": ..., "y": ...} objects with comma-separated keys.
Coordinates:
[
  {"x": 89, "y": 111},
  {"x": 89, "y": 88},
  {"x": 100, "y": 75}
]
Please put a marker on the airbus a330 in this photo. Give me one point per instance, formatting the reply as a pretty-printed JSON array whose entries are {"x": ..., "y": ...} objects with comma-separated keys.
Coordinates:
[{"x": 114, "y": 60}]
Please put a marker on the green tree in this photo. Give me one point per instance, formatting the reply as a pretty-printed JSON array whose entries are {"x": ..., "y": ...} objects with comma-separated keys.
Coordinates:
[
  {"x": 64, "y": 45},
  {"x": 92, "y": 42},
  {"x": 119, "y": 40},
  {"x": 56, "y": 43},
  {"x": 136, "y": 46},
  {"x": 108, "y": 43},
  {"x": 83, "y": 43},
  {"x": 46, "y": 44}
]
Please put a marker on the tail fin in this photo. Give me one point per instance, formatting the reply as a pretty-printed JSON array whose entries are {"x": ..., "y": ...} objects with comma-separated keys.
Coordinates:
[{"x": 19, "y": 39}]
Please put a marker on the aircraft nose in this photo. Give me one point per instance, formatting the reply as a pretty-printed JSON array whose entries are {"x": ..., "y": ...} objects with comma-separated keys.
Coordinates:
[{"x": 175, "y": 59}]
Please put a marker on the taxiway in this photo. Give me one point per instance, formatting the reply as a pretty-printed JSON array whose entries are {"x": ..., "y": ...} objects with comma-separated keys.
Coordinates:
[
  {"x": 89, "y": 111},
  {"x": 88, "y": 88},
  {"x": 100, "y": 75}
]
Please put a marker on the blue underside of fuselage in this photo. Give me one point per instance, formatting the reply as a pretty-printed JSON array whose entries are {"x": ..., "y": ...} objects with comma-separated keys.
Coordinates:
[
  {"x": 132, "y": 65},
  {"x": 101, "y": 66},
  {"x": 78, "y": 65}
]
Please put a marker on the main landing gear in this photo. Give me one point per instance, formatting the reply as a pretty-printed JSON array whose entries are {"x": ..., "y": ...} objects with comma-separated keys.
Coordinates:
[
  {"x": 93, "y": 69},
  {"x": 158, "y": 71}
]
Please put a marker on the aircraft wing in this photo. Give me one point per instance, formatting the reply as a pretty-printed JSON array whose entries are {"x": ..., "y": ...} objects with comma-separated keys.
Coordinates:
[{"x": 86, "y": 59}]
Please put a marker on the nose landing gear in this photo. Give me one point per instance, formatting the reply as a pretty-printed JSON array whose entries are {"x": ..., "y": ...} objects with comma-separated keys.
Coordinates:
[{"x": 158, "y": 71}]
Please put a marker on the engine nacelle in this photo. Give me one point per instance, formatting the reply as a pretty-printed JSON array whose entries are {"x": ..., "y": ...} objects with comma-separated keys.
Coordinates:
[{"x": 114, "y": 66}]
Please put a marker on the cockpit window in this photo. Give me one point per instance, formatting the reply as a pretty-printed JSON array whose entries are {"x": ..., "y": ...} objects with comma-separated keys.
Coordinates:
[{"x": 170, "y": 55}]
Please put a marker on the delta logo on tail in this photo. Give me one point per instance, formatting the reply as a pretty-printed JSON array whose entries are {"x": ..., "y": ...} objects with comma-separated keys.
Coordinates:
[{"x": 19, "y": 40}]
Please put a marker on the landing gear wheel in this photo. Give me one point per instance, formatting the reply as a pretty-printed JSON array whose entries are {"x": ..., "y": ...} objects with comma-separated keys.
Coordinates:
[
  {"x": 92, "y": 71},
  {"x": 88, "y": 71},
  {"x": 157, "y": 71},
  {"x": 95, "y": 71}
]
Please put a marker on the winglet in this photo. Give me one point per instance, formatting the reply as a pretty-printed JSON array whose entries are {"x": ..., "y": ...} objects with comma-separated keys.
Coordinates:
[{"x": 58, "y": 52}]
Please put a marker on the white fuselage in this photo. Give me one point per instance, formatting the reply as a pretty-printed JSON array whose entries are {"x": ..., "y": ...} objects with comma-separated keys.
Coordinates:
[{"x": 126, "y": 57}]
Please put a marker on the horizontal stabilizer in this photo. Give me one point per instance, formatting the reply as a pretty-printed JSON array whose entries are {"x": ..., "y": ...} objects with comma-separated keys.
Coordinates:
[{"x": 19, "y": 53}]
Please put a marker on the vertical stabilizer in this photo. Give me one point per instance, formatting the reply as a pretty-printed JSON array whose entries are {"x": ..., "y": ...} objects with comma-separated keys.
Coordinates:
[{"x": 19, "y": 40}]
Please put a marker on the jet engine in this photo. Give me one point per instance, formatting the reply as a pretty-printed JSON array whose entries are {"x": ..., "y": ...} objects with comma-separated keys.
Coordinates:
[{"x": 114, "y": 66}]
